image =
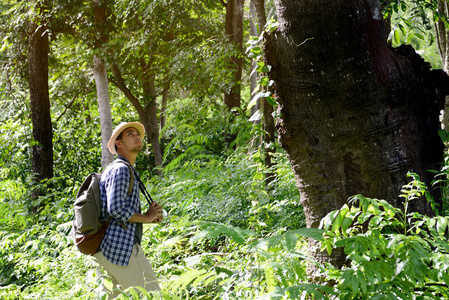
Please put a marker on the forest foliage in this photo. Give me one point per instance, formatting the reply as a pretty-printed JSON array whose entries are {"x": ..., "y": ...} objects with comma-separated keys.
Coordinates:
[{"x": 226, "y": 233}]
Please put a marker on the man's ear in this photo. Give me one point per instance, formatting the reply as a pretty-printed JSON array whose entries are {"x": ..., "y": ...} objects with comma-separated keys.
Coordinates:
[{"x": 118, "y": 143}]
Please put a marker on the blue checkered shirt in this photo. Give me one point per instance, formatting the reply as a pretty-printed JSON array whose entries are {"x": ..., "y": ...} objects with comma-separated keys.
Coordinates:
[{"x": 118, "y": 243}]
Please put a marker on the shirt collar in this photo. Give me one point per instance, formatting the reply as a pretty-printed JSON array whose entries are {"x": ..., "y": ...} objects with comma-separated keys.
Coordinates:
[{"x": 123, "y": 158}]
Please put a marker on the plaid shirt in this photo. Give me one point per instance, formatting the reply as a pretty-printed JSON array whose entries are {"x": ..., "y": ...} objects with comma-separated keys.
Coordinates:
[{"x": 118, "y": 243}]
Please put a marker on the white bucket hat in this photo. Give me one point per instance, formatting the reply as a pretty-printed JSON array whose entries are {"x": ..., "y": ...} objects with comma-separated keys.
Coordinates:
[{"x": 122, "y": 126}]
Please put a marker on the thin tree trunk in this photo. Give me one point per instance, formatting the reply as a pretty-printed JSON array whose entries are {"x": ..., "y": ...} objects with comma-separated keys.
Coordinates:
[
  {"x": 150, "y": 94},
  {"x": 104, "y": 109},
  {"x": 234, "y": 30},
  {"x": 267, "y": 109},
  {"x": 253, "y": 79},
  {"x": 101, "y": 80},
  {"x": 42, "y": 159},
  {"x": 87, "y": 119},
  {"x": 269, "y": 140},
  {"x": 147, "y": 115},
  {"x": 259, "y": 6},
  {"x": 165, "y": 95},
  {"x": 163, "y": 116},
  {"x": 442, "y": 34}
]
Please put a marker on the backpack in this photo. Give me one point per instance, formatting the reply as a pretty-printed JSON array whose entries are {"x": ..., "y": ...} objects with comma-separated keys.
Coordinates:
[{"x": 87, "y": 230}]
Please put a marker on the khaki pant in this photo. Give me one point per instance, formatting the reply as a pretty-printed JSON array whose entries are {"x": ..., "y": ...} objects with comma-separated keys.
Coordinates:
[{"x": 137, "y": 273}]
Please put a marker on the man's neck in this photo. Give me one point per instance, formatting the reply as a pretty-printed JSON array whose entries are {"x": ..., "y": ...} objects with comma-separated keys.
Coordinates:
[{"x": 129, "y": 157}]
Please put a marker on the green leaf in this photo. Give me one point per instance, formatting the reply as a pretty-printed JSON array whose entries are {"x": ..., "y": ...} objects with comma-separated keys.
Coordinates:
[
  {"x": 403, "y": 31},
  {"x": 257, "y": 97},
  {"x": 441, "y": 225},
  {"x": 264, "y": 69},
  {"x": 400, "y": 267},
  {"x": 219, "y": 270},
  {"x": 263, "y": 81},
  {"x": 271, "y": 100},
  {"x": 444, "y": 135},
  {"x": 420, "y": 36},
  {"x": 108, "y": 284},
  {"x": 256, "y": 50},
  {"x": 213, "y": 230},
  {"x": 270, "y": 278},
  {"x": 290, "y": 240},
  {"x": 397, "y": 38},
  {"x": 354, "y": 286},
  {"x": 314, "y": 233}
]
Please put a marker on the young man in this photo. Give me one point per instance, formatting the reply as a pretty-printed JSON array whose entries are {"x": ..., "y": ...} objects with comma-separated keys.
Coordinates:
[{"x": 120, "y": 254}]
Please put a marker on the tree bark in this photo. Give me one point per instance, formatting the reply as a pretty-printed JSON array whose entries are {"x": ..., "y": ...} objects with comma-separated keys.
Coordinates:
[
  {"x": 101, "y": 81},
  {"x": 165, "y": 95},
  {"x": 234, "y": 30},
  {"x": 267, "y": 109},
  {"x": 442, "y": 34},
  {"x": 104, "y": 109},
  {"x": 42, "y": 159},
  {"x": 356, "y": 115},
  {"x": 259, "y": 6},
  {"x": 253, "y": 80},
  {"x": 150, "y": 94},
  {"x": 147, "y": 114}
]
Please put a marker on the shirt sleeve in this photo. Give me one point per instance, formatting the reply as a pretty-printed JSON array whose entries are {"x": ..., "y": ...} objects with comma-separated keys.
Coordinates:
[{"x": 116, "y": 190}]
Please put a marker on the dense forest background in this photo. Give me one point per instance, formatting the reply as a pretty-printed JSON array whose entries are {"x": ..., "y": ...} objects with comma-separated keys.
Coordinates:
[{"x": 195, "y": 73}]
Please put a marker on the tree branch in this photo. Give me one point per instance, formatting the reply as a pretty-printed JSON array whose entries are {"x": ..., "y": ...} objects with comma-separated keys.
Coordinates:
[
  {"x": 68, "y": 106},
  {"x": 120, "y": 83}
]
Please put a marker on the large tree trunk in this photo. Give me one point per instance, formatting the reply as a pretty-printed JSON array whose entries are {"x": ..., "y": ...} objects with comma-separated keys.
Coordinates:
[
  {"x": 42, "y": 159},
  {"x": 101, "y": 81},
  {"x": 234, "y": 30},
  {"x": 356, "y": 115}
]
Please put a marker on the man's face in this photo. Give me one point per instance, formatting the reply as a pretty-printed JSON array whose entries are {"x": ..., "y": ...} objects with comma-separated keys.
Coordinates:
[{"x": 131, "y": 141}]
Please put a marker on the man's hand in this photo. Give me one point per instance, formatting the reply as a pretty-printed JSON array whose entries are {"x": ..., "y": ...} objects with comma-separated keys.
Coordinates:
[{"x": 154, "y": 213}]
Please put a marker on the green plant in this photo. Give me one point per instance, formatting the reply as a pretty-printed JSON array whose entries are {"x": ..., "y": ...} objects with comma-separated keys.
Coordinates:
[
  {"x": 254, "y": 51},
  {"x": 412, "y": 23},
  {"x": 390, "y": 254},
  {"x": 441, "y": 181}
]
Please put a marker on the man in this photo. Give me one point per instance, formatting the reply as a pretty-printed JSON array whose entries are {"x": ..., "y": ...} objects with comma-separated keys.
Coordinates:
[{"x": 120, "y": 254}]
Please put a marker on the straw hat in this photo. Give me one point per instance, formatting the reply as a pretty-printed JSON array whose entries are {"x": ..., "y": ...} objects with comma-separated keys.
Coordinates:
[{"x": 122, "y": 126}]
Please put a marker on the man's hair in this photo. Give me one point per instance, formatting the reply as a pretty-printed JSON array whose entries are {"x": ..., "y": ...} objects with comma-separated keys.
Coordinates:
[{"x": 119, "y": 137}]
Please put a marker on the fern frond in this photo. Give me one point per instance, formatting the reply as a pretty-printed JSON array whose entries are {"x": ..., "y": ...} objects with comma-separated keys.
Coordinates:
[{"x": 213, "y": 230}]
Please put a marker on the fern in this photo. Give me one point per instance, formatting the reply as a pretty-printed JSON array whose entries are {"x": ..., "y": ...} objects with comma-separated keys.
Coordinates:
[
  {"x": 300, "y": 291},
  {"x": 193, "y": 277},
  {"x": 289, "y": 238},
  {"x": 387, "y": 256},
  {"x": 270, "y": 279},
  {"x": 214, "y": 230}
]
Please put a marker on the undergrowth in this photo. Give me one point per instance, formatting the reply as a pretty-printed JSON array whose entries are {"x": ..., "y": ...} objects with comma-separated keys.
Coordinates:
[
  {"x": 39, "y": 261},
  {"x": 226, "y": 236},
  {"x": 222, "y": 241}
]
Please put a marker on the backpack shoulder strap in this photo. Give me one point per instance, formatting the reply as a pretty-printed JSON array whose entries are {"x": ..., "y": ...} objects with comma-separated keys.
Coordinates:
[
  {"x": 131, "y": 173},
  {"x": 130, "y": 187}
]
